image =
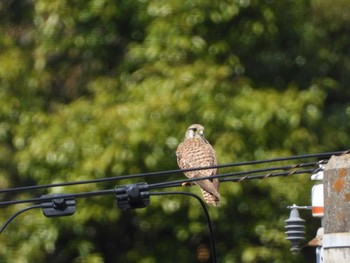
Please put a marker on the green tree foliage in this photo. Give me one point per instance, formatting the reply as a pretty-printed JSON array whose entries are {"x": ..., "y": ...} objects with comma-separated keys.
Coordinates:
[{"x": 98, "y": 88}]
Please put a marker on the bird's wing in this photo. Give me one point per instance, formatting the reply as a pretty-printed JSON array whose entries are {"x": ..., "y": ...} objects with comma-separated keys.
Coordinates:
[
  {"x": 185, "y": 161},
  {"x": 207, "y": 185}
]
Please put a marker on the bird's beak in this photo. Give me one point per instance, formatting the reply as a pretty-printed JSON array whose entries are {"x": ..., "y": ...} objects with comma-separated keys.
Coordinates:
[{"x": 201, "y": 132}]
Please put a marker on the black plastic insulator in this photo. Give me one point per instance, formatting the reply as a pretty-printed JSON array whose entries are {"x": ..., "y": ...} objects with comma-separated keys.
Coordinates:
[
  {"x": 132, "y": 196},
  {"x": 59, "y": 205},
  {"x": 295, "y": 230}
]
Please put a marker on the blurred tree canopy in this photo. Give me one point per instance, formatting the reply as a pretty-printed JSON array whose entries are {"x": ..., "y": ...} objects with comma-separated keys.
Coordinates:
[{"x": 98, "y": 88}]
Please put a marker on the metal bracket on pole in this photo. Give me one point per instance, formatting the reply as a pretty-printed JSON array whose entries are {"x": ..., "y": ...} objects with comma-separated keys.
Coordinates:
[{"x": 336, "y": 240}]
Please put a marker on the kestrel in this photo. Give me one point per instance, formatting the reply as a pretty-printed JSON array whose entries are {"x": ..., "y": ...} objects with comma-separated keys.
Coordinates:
[{"x": 195, "y": 151}]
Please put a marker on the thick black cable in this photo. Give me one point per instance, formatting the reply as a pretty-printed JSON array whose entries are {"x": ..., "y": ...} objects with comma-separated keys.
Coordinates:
[
  {"x": 222, "y": 177},
  {"x": 174, "y": 183},
  {"x": 16, "y": 214},
  {"x": 155, "y": 186},
  {"x": 123, "y": 177},
  {"x": 50, "y": 198},
  {"x": 180, "y": 182},
  {"x": 212, "y": 236}
]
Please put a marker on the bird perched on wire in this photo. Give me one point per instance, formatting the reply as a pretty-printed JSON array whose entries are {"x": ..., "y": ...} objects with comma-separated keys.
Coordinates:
[{"x": 195, "y": 151}]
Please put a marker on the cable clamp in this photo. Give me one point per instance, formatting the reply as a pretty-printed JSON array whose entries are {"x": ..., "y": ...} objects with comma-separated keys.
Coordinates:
[
  {"x": 59, "y": 205},
  {"x": 132, "y": 196}
]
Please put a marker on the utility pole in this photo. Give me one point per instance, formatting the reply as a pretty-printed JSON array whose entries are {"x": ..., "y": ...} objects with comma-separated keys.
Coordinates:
[{"x": 336, "y": 239}]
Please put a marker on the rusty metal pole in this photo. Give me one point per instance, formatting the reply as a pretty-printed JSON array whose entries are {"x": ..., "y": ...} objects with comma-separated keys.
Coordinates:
[{"x": 336, "y": 239}]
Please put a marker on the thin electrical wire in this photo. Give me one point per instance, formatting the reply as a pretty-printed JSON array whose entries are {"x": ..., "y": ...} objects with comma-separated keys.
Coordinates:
[
  {"x": 237, "y": 179},
  {"x": 132, "y": 176},
  {"x": 168, "y": 184},
  {"x": 177, "y": 183},
  {"x": 50, "y": 198},
  {"x": 242, "y": 173},
  {"x": 212, "y": 236},
  {"x": 16, "y": 214},
  {"x": 151, "y": 186},
  {"x": 158, "y": 186},
  {"x": 264, "y": 176},
  {"x": 211, "y": 231}
]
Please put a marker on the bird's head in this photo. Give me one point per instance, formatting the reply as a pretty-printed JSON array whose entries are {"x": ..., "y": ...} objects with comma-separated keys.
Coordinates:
[{"x": 195, "y": 131}]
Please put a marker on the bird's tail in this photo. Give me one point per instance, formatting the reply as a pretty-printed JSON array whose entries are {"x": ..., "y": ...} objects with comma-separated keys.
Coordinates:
[{"x": 209, "y": 198}]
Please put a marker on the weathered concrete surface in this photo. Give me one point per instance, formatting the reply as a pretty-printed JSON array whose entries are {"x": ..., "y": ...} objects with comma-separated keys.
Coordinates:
[
  {"x": 336, "y": 255},
  {"x": 337, "y": 195},
  {"x": 337, "y": 209}
]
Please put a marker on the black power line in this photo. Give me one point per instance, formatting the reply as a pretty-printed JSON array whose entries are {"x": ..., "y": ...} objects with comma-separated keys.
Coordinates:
[
  {"x": 169, "y": 172},
  {"x": 227, "y": 177},
  {"x": 16, "y": 214},
  {"x": 210, "y": 227},
  {"x": 211, "y": 231},
  {"x": 239, "y": 176},
  {"x": 50, "y": 198}
]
